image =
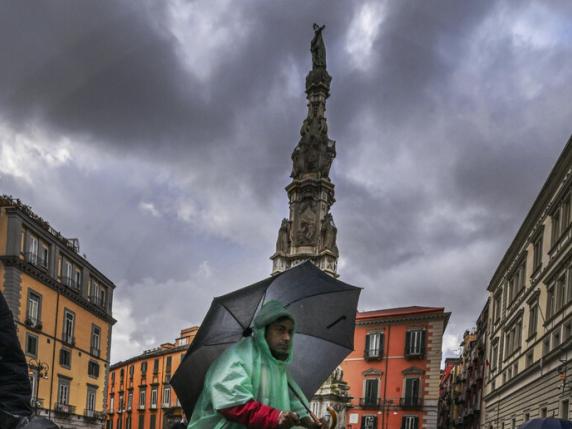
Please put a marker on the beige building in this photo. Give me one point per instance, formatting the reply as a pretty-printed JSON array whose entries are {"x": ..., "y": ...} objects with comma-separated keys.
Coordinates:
[
  {"x": 529, "y": 339},
  {"x": 62, "y": 310}
]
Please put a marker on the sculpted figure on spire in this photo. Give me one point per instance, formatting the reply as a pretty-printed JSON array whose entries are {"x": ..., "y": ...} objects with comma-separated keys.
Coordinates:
[{"x": 318, "y": 48}]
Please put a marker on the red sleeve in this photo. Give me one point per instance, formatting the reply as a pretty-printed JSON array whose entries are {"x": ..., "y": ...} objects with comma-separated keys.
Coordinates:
[{"x": 253, "y": 415}]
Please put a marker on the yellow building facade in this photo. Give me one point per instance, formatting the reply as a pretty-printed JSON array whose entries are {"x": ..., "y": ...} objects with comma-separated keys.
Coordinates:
[{"x": 62, "y": 308}]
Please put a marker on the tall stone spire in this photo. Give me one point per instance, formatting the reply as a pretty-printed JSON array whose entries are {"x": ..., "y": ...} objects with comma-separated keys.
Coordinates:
[{"x": 310, "y": 233}]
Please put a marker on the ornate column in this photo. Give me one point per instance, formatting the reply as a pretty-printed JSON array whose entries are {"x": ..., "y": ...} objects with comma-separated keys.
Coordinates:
[{"x": 310, "y": 233}]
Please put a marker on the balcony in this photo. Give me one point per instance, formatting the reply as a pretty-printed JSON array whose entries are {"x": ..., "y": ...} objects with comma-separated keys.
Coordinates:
[
  {"x": 94, "y": 351},
  {"x": 37, "y": 260},
  {"x": 64, "y": 409},
  {"x": 68, "y": 339},
  {"x": 70, "y": 282},
  {"x": 411, "y": 403},
  {"x": 414, "y": 354},
  {"x": 93, "y": 415},
  {"x": 371, "y": 403},
  {"x": 153, "y": 406},
  {"x": 33, "y": 323},
  {"x": 97, "y": 300}
]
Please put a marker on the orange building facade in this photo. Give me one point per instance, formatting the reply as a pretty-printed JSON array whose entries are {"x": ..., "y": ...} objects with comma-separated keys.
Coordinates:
[
  {"x": 394, "y": 370},
  {"x": 139, "y": 394}
]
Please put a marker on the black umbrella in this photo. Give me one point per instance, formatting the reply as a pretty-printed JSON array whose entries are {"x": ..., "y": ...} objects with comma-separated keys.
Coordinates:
[
  {"x": 324, "y": 309},
  {"x": 547, "y": 423}
]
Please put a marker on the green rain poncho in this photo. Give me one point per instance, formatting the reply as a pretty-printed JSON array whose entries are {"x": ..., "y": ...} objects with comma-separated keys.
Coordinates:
[{"x": 245, "y": 371}]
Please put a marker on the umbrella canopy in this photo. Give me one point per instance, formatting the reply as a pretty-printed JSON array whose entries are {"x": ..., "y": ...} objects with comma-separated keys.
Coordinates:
[
  {"x": 548, "y": 423},
  {"x": 324, "y": 309}
]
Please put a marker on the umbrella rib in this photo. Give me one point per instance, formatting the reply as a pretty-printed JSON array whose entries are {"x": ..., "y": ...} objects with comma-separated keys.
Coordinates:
[
  {"x": 323, "y": 339},
  {"x": 233, "y": 316}
]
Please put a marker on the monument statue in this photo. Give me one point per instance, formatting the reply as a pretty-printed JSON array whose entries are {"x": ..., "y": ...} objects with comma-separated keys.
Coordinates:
[
  {"x": 283, "y": 242},
  {"x": 329, "y": 233},
  {"x": 318, "y": 48}
]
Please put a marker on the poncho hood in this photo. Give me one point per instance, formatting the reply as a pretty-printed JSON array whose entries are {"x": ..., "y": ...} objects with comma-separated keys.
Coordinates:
[{"x": 270, "y": 312}]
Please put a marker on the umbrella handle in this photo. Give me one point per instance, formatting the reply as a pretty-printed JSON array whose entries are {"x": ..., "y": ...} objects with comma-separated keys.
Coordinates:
[{"x": 330, "y": 410}]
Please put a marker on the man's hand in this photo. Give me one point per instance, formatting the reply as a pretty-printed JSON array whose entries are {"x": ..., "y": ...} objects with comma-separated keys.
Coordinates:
[
  {"x": 288, "y": 419},
  {"x": 314, "y": 423}
]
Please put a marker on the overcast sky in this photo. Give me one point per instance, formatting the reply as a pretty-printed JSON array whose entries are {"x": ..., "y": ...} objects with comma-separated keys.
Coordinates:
[{"x": 160, "y": 134}]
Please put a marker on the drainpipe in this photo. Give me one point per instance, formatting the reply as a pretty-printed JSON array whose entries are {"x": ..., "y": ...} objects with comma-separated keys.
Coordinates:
[
  {"x": 385, "y": 410},
  {"x": 54, "y": 355}
]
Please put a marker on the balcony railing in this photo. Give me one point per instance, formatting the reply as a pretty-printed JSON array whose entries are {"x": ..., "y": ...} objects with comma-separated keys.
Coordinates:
[
  {"x": 411, "y": 403},
  {"x": 64, "y": 408},
  {"x": 94, "y": 415},
  {"x": 37, "y": 260},
  {"x": 68, "y": 339},
  {"x": 95, "y": 351},
  {"x": 369, "y": 402},
  {"x": 70, "y": 282},
  {"x": 97, "y": 300},
  {"x": 33, "y": 323}
]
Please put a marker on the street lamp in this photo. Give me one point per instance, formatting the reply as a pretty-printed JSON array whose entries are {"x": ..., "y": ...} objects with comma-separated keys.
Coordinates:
[{"x": 40, "y": 371}]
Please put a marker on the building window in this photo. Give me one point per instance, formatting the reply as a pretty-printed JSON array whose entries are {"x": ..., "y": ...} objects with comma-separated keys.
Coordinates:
[
  {"x": 166, "y": 396},
  {"x": 31, "y": 345},
  {"x": 168, "y": 364},
  {"x": 121, "y": 376},
  {"x": 129, "y": 400},
  {"x": 566, "y": 331},
  {"x": 152, "y": 421},
  {"x": 369, "y": 422},
  {"x": 95, "y": 340},
  {"x": 69, "y": 322},
  {"x": 34, "y": 307},
  {"x": 370, "y": 392},
  {"x": 515, "y": 369},
  {"x": 65, "y": 358},
  {"x": 142, "y": 398},
  {"x": 516, "y": 282},
  {"x": 537, "y": 253},
  {"x": 131, "y": 372},
  {"x": 409, "y": 422},
  {"x": 497, "y": 305},
  {"x": 529, "y": 358},
  {"x": 414, "y": 343},
  {"x": 143, "y": 369},
  {"x": 63, "y": 391},
  {"x": 155, "y": 366},
  {"x": 121, "y": 408},
  {"x": 111, "y": 403},
  {"x": 555, "y": 227},
  {"x": 128, "y": 422},
  {"x": 93, "y": 369},
  {"x": 513, "y": 338},
  {"x": 32, "y": 254},
  {"x": 533, "y": 319},
  {"x": 556, "y": 338},
  {"x": 543, "y": 412},
  {"x": 154, "y": 397},
  {"x": 67, "y": 273},
  {"x": 412, "y": 389},
  {"x": 113, "y": 378},
  {"x": 77, "y": 279},
  {"x": 564, "y": 405},
  {"x": 91, "y": 400},
  {"x": 374, "y": 345},
  {"x": 141, "y": 424},
  {"x": 494, "y": 355},
  {"x": 546, "y": 345}
]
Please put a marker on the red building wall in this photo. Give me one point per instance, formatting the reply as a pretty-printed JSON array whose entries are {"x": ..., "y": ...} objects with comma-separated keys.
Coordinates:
[{"x": 394, "y": 366}]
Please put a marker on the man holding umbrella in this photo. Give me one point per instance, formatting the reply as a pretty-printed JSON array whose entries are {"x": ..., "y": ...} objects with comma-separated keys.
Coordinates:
[{"x": 248, "y": 386}]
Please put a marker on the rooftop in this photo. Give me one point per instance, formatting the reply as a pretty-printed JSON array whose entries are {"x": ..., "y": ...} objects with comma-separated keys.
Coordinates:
[{"x": 397, "y": 311}]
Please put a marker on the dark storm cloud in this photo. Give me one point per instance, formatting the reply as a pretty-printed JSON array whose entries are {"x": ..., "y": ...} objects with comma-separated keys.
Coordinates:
[{"x": 448, "y": 117}]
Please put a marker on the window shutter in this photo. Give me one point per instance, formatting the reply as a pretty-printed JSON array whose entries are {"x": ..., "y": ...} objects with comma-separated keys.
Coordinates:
[
  {"x": 422, "y": 337},
  {"x": 381, "y": 344},
  {"x": 407, "y": 341},
  {"x": 367, "y": 342},
  {"x": 415, "y": 422},
  {"x": 403, "y": 422}
]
